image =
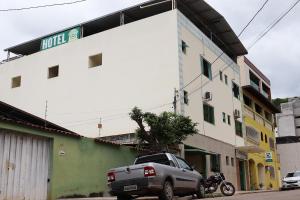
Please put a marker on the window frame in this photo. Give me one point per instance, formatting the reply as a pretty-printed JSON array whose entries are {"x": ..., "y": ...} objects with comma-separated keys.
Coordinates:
[
  {"x": 207, "y": 111},
  {"x": 209, "y": 69},
  {"x": 92, "y": 62},
  {"x": 53, "y": 72}
]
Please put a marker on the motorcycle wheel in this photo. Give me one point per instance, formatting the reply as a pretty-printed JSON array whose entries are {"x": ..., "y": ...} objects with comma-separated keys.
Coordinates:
[
  {"x": 213, "y": 188},
  {"x": 227, "y": 189}
]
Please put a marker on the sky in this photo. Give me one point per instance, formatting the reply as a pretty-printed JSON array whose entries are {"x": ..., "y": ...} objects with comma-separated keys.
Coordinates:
[{"x": 277, "y": 55}]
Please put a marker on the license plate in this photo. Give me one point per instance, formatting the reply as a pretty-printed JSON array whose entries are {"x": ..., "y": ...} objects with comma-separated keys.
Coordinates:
[{"x": 130, "y": 187}]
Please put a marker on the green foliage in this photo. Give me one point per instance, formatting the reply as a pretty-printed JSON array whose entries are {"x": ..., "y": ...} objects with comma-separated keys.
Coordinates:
[
  {"x": 279, "y": 101},
  {"x": 158, "y": 132}
]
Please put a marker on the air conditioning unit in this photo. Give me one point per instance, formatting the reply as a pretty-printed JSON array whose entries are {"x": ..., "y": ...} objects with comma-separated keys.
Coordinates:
[
  {"x": 207, "y": 96},
  {"x": 237, "y": 113}
]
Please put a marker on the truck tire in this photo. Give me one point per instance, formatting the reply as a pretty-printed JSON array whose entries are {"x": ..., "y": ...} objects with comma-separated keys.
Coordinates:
[
  {"x": 167, "y": 193},
  {"x": 200, "y": 191}
]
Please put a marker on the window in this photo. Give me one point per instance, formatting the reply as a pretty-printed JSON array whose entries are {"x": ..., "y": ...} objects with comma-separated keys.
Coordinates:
[
  {"x": 224, "y": 117},
  {"x": 261, "y": 136},
  {"x": 268, "y": 116},
  {"x": 206, "y": 68},
  {"x": 208, "y": 112},
  {"x": 185, "y": 97},
  {"x": 183, "y": 164},
  {"x": 183, "y": 46},
  {"x": 258, "y": 109},
  {"x": 53, "y": 71},
  {"x": 235, "y": 90},
  {"x": 215, "y": 162},
  {"x": 226, "y": 79},
  {"x": 221, "y": 75},
  {"x": 227, "y": 160},
  {"x": 238, "y": 128},
  {"x": 271, "y": 143},
  {"x": 95, "y": 60},
  {"x": 266, "y": 139},
  {"x": 247, "y": 101},
  {"x": 228, "y": 119},
  {"x": 254, "y": 81},
  {"x": 232, "y": 162},
  {"x": 16, "y": 82}
]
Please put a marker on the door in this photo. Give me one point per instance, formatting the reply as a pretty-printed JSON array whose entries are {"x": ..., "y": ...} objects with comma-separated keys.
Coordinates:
[
  {"x": 242, "y": 175},
  {"x": 24, "y": 163}
]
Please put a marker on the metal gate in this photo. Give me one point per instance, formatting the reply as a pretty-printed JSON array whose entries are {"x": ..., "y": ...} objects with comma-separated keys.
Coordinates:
[{"x": 24, "y": 164}]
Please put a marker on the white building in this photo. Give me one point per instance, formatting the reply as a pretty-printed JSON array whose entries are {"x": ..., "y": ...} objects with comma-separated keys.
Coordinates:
[
  {"x": 288, "y": 121},
  {"x": 136, "y": 57}
]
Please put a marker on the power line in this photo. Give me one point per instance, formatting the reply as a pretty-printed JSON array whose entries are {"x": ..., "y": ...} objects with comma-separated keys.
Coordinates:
[
  {"x": 260, "y": 9},
  {"x": 41, "y": 6},
  {"x": 272, "y": 25}
]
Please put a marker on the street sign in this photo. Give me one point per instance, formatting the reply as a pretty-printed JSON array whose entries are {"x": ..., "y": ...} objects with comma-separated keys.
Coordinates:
[
  {"x": 269, "y": 157},
  {"x": 61, "y": 38}
]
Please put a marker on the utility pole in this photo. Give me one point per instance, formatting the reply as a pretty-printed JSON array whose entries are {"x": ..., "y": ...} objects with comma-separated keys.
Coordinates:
[
  {"x": 100, "y": 126},
  {"x": 175, "y": 100},
  {"x": 46, "y": 110}
]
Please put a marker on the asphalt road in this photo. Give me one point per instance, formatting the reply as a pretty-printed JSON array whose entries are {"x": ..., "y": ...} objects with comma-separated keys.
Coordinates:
[{"x": 281, "y": 195}]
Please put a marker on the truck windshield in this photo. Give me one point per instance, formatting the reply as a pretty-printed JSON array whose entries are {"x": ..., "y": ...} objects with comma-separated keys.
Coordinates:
[{"x": 158, "y": 158}]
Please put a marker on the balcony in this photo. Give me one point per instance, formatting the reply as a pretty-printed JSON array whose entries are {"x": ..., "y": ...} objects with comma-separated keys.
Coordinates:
[
  {"x": 254, "y": 85},
  {"x": 265, "y": 94},
  {"x": 258, "y": 118}
]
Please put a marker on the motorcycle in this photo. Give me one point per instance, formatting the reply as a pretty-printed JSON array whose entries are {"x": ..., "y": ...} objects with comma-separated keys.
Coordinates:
[{"x": 213, "y": 182}]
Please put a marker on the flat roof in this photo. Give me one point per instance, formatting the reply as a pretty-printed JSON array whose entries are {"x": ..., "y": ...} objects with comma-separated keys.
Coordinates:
[
  {"x": 256, "y": 70},
  {"x": 206, "y": 18}
]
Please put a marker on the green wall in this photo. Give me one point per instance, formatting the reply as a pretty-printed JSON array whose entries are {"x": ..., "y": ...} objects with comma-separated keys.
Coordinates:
[{"x": 83, "y": 166}]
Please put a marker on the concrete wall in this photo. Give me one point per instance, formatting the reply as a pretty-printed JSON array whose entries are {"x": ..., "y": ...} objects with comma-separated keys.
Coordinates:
[
  {"x": 82, "y": 169},
  {"x": 289, "y": 157},
  {"x": 212, "y": 145},
  {"x": 140, "y": 68},
  {"x": 222, "y": 96}
]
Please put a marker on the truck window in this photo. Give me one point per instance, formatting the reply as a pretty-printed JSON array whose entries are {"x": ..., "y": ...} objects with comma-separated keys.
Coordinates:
[{"x": 158, "y": 158}]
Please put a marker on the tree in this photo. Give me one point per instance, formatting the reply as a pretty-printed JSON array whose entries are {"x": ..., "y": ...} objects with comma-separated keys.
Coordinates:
[{"x": 158, "y": 132}]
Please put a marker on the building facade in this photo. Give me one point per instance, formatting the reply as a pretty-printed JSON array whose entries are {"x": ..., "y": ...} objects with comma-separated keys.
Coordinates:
[
  {"x": 258, "y": 114},
  {"x": 288, "y": 140},
  {"x": 288, "y": 121},
  {"x": 88, "y": 77}
]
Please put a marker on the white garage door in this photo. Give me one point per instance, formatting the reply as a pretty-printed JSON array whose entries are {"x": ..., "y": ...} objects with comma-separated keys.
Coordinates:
[{"x": 24, "y": 164}]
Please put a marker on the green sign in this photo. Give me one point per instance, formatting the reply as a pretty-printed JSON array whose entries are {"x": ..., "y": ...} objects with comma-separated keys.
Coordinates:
[
  {"x": 269, "y": 157},
  {"x": 61, "y": 38}
]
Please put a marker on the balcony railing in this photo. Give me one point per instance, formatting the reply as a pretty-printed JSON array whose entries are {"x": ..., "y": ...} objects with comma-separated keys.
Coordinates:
[{"x": 258, "y": 118}]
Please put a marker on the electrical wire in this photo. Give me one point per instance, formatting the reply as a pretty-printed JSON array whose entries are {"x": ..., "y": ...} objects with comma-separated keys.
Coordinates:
[
  {"x": 272, "y": 25},
  {"x": 245, "y": 27},
  {"x": 41, "y": 6}
]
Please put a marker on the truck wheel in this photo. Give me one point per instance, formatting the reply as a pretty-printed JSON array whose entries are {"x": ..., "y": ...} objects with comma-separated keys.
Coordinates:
[
  {"x": 200, "y": 192},
  {"x": 124, "y": 197},
  {"x": 167, "y": 193}
]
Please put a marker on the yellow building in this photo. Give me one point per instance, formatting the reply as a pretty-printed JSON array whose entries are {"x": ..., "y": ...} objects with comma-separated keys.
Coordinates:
[{"x": 258, "y": 117}]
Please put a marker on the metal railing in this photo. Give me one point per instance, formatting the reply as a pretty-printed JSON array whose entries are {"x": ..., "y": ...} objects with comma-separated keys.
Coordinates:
[{"x": 258, "y": 118}]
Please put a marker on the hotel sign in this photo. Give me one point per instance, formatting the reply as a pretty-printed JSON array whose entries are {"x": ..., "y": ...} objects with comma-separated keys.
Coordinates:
[{"x": 61, "y": 38}]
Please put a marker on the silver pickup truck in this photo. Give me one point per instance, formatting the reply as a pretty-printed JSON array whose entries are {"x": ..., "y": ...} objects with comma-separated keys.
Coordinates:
[{"x": 164, "y": 175}]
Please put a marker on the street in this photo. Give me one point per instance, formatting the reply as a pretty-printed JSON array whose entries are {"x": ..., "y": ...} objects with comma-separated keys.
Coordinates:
[{"x": 282, "y": 195}]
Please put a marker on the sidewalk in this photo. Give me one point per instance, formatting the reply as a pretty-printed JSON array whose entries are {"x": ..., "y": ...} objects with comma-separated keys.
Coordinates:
[{"x": 183, "y": 198}]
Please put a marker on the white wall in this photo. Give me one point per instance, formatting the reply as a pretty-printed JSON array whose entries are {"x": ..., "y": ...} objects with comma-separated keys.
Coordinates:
[
  {"x": 223, "y": 99},
  {"x": 289, "y": 157},
  {"x": 140, "y": 68}
]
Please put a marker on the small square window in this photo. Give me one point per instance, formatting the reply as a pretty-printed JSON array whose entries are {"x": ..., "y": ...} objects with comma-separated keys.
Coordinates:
[
  {"x": 16, "y": 82},
  {"x": 232, "y": 162},
  {"x": 185, "y": 97},
  {"x": 226, "y": 79},
  {"x": 53, "y": 71},
  {"x": 228, "y": 119},
  {"x": 224, "y": 117},
  {"x": 95, "y": 60}
]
